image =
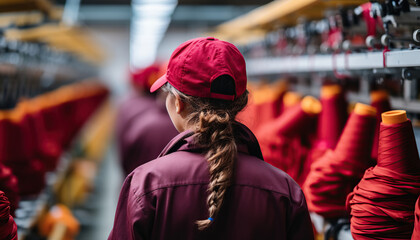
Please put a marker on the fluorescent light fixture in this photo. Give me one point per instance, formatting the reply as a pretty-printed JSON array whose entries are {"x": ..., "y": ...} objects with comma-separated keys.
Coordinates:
[{"x": 149, "y": 22}]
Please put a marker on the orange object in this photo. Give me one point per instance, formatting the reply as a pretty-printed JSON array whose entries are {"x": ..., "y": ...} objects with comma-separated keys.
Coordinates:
[
  {"x": 364, "y": 110},
  {"x": 329, "y": 91},
  {"x": 394, "y": 117},
  {"x": 291, "y": 98},
  {"x": 60, "y": 216},
  {"x": 311, "y": 105},
  {"x": 378, "y": 95}
]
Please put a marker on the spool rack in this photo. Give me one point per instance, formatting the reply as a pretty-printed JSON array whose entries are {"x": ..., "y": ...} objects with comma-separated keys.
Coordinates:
[{"x": 401, "y": 63}]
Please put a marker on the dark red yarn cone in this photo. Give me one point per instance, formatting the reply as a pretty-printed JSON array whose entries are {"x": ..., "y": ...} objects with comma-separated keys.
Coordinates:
[
  {"x": 382, "y": 204},
  {"x": 268, "y": 111},
  {"x": 331, "y": 120},
  {"x": 291, "y": 123},
  {"x": 281, "y": 141},
  {"x": 8, "y": 228},
  {"x": 336, "y": 173}
]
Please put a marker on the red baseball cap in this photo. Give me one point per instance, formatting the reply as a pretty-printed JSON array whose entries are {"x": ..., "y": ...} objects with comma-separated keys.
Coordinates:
[
  {"x": 196, "y": 63},
  {"x": 145, "y": 77}
]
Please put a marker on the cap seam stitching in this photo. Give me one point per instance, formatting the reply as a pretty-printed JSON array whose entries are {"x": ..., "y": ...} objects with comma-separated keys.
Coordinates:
[{"x": 183, "y": 67}]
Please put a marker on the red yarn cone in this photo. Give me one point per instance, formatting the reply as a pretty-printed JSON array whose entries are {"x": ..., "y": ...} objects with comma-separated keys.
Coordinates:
[
  {"x": 332, "y": 120},
  {"x": 330, "y": 124},
  {"x": 281, "y": 139},
  {"x": 382, "y": 204},
  {"x": 335, "y": 174}
]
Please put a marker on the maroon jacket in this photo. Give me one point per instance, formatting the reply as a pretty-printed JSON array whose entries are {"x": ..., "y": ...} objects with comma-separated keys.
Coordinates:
[
  {"x": 143, "y": 130},
  {"x": 163, "y": 198}
]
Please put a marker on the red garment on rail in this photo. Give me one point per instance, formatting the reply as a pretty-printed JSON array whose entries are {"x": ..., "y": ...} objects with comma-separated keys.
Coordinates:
[
  {"x": 30, "y": 175},
  {"x": 17, "y": 151},
  {"x": 46, "y": 148},
  {"x": 382, "y": 204},
  {"x": 83, "y": 109},
  {"x": 281, "y": 141},
  {"x": 8, "y": 228},
  {"x": 33, "y": 134},
  {"x": 15, "y": 143},
  {"x": 337, "y": 172},
  {"x": 416, "y": 232},
  {"x": 72, "y": 114},
  {"x": 9, "y": 185},
  {"x": 381, "y": 106},
  {"x": 55, "y": 124}
]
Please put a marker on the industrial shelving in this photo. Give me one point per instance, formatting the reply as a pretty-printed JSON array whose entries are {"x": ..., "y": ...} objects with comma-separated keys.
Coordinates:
[{"x": 334, "y": 62}]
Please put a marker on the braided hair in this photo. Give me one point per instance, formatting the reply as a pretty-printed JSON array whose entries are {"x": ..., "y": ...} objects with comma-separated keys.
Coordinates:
[{"x": 213, "y": 130}]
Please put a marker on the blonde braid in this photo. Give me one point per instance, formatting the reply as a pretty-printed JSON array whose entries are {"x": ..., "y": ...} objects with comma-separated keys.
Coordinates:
[{"x": 215, "y": 130}]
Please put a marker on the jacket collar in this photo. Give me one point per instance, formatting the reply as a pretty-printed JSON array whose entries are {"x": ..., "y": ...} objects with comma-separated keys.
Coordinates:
[{"x": 245, "y": 140}]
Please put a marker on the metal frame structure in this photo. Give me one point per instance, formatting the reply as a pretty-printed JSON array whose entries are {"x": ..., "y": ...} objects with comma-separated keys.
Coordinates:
[
  {"x": 403, "y": 62},
  {"x": 334, "y": 62}
]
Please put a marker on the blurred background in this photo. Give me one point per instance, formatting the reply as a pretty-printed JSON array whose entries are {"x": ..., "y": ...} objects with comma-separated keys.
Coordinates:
[{"x": 74, "y": 79}]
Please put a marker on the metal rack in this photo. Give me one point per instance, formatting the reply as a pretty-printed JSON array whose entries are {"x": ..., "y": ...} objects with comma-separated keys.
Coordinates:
[
  {"x": 401, "y": 63},
  {"x": 334, "y": 62}
]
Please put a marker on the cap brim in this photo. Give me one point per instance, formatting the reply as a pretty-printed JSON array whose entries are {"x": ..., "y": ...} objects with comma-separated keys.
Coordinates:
[{"x": 159, "y": 83}]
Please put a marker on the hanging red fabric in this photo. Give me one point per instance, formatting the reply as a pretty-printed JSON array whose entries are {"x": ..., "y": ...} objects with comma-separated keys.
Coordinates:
[
  {"x": 78, "y": 110},
  {"x": 14, "y": 130},
  {"x": 18, "y": 150},
  {"x": 45, "y": 147},
  {"x": 382, "y": 204},
  {"x": 336, "y": 173}
]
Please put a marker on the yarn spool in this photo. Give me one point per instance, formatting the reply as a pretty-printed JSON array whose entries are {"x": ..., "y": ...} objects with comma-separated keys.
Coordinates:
[
  {"x": 382, "y": 204},
  {"x": 337, "y": 172},
  {"x": 280, "y": 140}
]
